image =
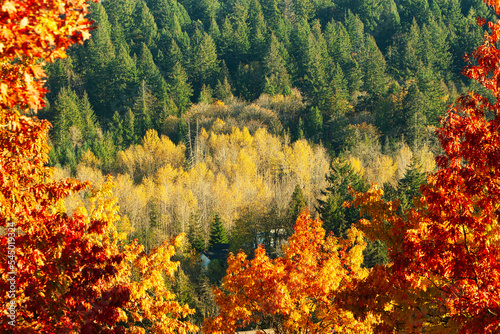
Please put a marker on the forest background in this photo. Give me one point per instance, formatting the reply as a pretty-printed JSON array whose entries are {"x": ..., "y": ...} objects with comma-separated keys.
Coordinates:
[{"x": 223, "y": 119}]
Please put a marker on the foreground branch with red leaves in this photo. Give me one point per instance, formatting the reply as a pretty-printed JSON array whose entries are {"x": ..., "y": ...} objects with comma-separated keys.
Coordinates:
[
  {"x": 63, "y": 273},
  {"x": 445, "y": 271}
]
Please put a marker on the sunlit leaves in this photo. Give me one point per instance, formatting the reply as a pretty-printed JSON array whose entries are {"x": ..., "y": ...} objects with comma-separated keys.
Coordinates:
[
  {"x": 297, "y": 291},
  {"x": 445, "y": 251}
]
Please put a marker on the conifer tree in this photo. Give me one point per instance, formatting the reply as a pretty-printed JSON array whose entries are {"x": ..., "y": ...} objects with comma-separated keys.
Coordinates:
[
  {"x": 149, "y": 72},
  {"x": 117, "y": 131},
  {"x": 297, "y": 204},
  {"x": 144, "y": 27},
  {"x": 335, "y": 216},
  {"x": 407, "y": 188},
  {"x": 218, "y": 233},
  {"x": 180, "y": 88},
  {"x": 204, "y": 64},
  {"x": 314, "y": 124},
  {"x": 276, "y": 75},
  {"x": 373, "y": 64},
  {"x": 143, "y": 109},
  {"x": 129, "y": 128},
  {"x": 258, "y": 30},
  {"x": 123, "y": 79},
  {"x": 195, "y": 234},
  {"x": 303, "y": 9}
]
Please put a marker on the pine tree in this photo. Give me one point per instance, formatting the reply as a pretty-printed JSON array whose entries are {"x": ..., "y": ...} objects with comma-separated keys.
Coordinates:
[
  {"x": 195, "y": 234},
  {"x": 122, "y": 79},
  {"x": 180, "y": 88},
  {"x": 276, "y": 75},
  {"x": 204, "y": 65},
  {"x": 335, "y": 216},
  {"x": 149, "y": 72},
  {"x": 144, "y": 28},
  {"x": 297, "y": 204},
  {"x": 218, "y": 233},
  {"x": 314, "y": 124}
]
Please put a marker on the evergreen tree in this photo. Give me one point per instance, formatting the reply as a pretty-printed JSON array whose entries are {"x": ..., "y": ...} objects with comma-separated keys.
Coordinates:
[
  {"x": 90, "y": 124},
  {"x": 195, "y": 234},
  {"x": 117, "y": 131},
  {"x": 316, "y": 82},
  {"x": 435, "y": 92},
  {"x": 340, "y": 49},
  {"x": 96, "y": 58},
  {"x": 122, "y": 79},
  {"x": 356, "y": 30},
  {"x": 218, "y": 233},
  {"x": 303, "y": 9},
  {"x": 335, "y": 216},
  {"x": 299, "y": 48},
  {"x": 204, "y": 64},
  {"x": 314, "y": 124},
  {"x": 276, "y": 75},
  {"x": 214, "y": 31},
  {"x": 223, "y": 90},
  {"x": 374, "y": 68},
  {"x": 407, "y": 188},
  {"x": 67, "y": 114},
  {"x": 143, "y": 109},
  {"x": 173, "y": 56},
  {"x": 414, "y": 105},
  {"x": 258, "y": 30},
  {"x": 206, "y": 95},
  {"x": 297, "y": 204},
  {"x": 180, "y": 88},
  {"x": 121, "y": 14},
  {"x": 144, "y": 28},
  {"x": 149, "y": 72},
  {"x": 129, "y": 128},
  {"x": 271, "y": 12}
]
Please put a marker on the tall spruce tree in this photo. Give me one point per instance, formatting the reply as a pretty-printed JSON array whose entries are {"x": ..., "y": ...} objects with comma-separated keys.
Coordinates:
[
  {"x": 335, "y": 216},
  {"x": 218, "y": 234}
]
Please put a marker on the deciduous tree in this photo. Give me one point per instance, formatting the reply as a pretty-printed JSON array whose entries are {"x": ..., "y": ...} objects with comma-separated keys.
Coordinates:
[
  {"x": 445, "y": 270},
  {"x": 64, "y": 272},
  {"x": 295, "y": 293}
]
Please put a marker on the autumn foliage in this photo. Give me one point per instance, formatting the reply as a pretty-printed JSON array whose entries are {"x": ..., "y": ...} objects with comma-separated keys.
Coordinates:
[
  {"x": 295, "y": 293},
  {"x": 69, "y": 272},
  {"x": 445, "y": 271}
]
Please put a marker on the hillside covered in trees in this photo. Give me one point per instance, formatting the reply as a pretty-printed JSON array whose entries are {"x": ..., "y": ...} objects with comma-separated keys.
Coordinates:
[
  {"x": 235, "y": 123},
  {"x": 237, "y": 109},
  {"x": 248, "y": 91}
]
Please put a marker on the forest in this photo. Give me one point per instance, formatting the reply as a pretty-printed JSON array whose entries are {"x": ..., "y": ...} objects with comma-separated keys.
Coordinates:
[{"x": 342, "y": 156}]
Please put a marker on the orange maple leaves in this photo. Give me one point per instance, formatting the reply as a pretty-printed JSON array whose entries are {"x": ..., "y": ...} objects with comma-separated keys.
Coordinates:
[
  {"x": 31, "y": 32},
  {"x": 295, "y": 293}
]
